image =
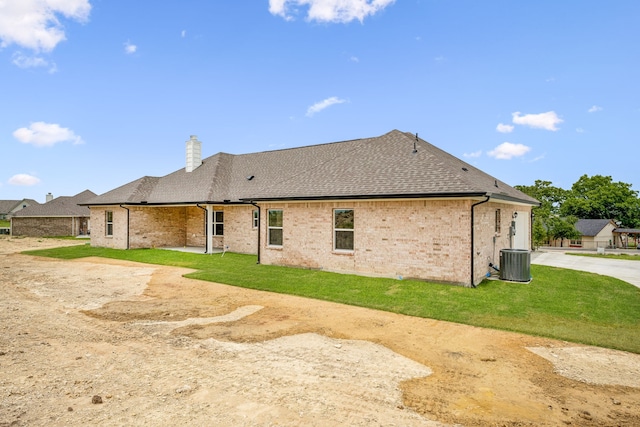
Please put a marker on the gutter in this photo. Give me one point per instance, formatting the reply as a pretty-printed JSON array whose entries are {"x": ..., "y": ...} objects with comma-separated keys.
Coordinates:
[
  {"x": 206, "y": 228},
  {"x": 488, "y": 196},
  {"x": 123, "y": 207},
  {"x": 259, "y": 231}
]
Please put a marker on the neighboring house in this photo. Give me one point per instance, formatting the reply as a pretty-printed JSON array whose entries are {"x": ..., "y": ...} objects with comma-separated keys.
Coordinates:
[
  {"x": 596, "y": 233},
  {"x": 62, "y": 216},
  {"x": 392, "y": 205},
  {"x": 10, "y": 207}
]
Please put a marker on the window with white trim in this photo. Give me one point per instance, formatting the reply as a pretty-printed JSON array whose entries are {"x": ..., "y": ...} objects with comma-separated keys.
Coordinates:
[
  {"x": 218, "y": 223},
  {"x": 343, "y": 229},
  {"x": 108, "y": 221},
  {"x": 275, "y": 227},
  {"x": 498, "y": 221},
  {"x": 256, "y": 218}
]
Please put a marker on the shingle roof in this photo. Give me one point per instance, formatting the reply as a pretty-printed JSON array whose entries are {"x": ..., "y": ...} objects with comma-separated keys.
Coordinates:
[
  {"x": 384, "y": 166},
  {"x": 7, "y": 206},
  {"x": 60, "y": 206},
  {"x": 591, "y": 227}
]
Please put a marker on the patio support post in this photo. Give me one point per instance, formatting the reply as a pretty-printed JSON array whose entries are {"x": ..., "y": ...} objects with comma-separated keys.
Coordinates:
[
  {"x": 209, "y": 229},
  {"x": 206, "y": 243}
]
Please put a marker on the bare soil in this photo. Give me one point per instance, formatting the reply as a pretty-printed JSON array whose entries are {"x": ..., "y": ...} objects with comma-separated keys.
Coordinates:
[{"x": 103, "y": 342}]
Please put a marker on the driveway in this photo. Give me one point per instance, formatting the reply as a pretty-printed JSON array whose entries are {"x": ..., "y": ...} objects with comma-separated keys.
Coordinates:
[{"x": 629, "y": 271}]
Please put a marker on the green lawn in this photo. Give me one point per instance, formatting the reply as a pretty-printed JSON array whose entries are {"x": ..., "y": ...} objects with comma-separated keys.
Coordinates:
[
  {"x": 628, "y": 257},
  {"x": 564, "y": 304}
]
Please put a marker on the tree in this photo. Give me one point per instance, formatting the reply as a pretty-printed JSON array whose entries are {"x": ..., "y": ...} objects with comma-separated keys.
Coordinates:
[
  {"x": 598, "y": 197},
  {"x": 562, "y": 228},
  {"x": 550, "y": 197},
  {"x": 539, "y": 232}
]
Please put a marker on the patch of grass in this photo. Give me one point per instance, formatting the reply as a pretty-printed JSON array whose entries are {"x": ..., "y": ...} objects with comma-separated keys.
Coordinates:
[
  {"x": 5, "y": 223},
  {"x": 628, "y": 257},
  {"x": 563, "y": 304}
]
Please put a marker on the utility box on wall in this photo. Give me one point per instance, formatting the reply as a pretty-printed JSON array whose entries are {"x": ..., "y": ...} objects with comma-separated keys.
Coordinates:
[{"x": 515, "y": 265}]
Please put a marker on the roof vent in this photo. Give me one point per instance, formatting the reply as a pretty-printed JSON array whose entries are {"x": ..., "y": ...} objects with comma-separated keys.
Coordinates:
[
  {"x": 465, "y": 169},
  {"x": 250, "y": 177},
  {"x": 194, "y": 154},
  {"x": 495, "y": 183}
]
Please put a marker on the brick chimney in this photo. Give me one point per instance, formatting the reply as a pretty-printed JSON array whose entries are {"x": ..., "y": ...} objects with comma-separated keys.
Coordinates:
[{"x": 194, "y": 153}]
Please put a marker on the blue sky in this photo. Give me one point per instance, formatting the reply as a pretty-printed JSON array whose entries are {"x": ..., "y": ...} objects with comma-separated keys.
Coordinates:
[{"x": 97, "y": 93}]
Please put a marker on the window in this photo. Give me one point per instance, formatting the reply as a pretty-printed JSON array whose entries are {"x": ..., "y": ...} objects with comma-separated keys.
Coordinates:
[
  {"x": 343, "y": 229},
  {"x": 256, "y": 218},
  {"x": 218, "y": 223},
  {"x": 108, "y": 219},
  {"x": 275, "y": 227},
  {"x": 498, "y": 221}
]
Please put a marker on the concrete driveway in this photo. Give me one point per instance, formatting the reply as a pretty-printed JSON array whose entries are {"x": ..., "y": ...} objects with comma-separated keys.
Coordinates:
[{"x": 629, "y": 271}]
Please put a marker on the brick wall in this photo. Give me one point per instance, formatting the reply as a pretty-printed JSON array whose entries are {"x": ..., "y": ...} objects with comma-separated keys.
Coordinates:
[
  {"x": 44, "y": 226},
  {"x": 239, "y": 234},
  {"x": 98, "y": 227},
  {"x": 426, "y": 239}
]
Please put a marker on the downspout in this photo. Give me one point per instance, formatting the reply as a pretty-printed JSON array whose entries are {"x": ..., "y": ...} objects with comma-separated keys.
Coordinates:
[
  {"x": 123, "y": 207},
  {"x": 488, "y": 196},
  {"x": 259, "y": 233},
  {"x": 206, "y": 241}
]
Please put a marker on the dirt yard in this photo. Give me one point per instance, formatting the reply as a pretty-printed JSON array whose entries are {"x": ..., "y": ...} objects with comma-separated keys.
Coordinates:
[{"x": 103, "y": 342}]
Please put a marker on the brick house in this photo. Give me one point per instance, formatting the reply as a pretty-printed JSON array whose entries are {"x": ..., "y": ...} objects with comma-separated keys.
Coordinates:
[
  {"x": 60, "y": 216},
  {"x": 392, "y": 205}
]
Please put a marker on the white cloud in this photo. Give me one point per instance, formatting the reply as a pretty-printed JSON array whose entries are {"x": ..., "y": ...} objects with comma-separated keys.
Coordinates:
[
  {"x": 354, "y": 59},
  {"x": 26, "y": 61},
  {"x": 34, "y": 24},
  {"x": 594, "y": 109},
  {"x": 473, "y": 155},
  {"x": 547, "y": 120},
  {"x": 43, "y": 134},
  {"x": 502, "y": 128},
  {"x": 579, "y": 130},
  {"x": 342, "y": 11},
  {"x": 319, "y": 106},
  {"x": 508, "y": 150},
  {"x": 130, "y": 48},
  {"x": 24, "y": 180},
  {"x": 183, "y": 33}
]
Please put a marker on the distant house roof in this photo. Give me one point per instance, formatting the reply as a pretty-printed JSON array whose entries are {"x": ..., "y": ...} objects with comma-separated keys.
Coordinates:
[
  {"x": 381, "y": 167},
  {"x": 627, "y": 230},
  {"x": 60, "y": 206},
  {"x": 7, "y": 206},
  {"x": 591, "y": 227}
]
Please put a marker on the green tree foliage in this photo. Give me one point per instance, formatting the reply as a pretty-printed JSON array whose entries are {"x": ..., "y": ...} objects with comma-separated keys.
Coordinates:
[
  {"x": 550, "y": 197},
  {"x": 598, "y": 197},
  {"x": 562, "y": 228},
  {"x": 539, "y": 232}
]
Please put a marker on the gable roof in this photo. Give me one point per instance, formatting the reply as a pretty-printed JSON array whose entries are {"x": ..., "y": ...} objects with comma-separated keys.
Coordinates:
[
  {"x": 591, "y": 227},
  {"x": 60, "y": 206},
  {"x": 379, "y": 167},
  {"x": 7, "y": 206}
]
